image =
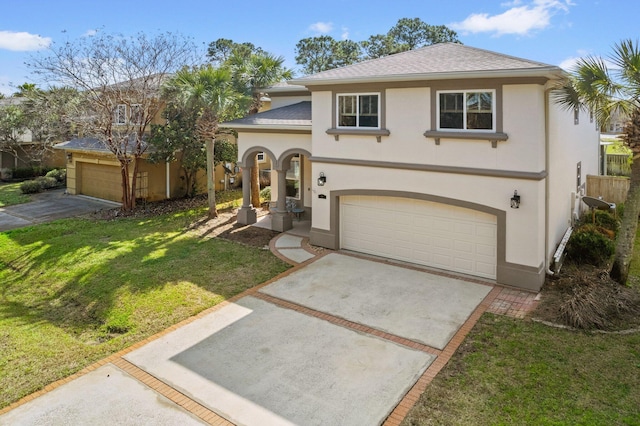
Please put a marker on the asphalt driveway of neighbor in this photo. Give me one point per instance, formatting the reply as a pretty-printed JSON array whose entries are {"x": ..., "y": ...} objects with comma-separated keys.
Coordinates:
[
  {"x": 48, "y": 206},
  {"x": 339, "y": 340}
]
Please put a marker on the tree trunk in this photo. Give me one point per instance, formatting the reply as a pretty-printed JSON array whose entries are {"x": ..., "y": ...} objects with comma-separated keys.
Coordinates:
[
  {"x": 211, "y": 179},
  {"x": 627, "y": 234},
  {"x": 126, "y": 194},
  {"x": 255, "y": 183}
]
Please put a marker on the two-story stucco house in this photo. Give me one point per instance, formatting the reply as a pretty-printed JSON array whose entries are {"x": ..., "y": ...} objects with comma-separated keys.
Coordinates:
[{"x": 448, "y": 156}]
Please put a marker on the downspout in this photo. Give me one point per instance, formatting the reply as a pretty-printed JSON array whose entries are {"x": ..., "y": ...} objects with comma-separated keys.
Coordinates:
[
  {"x": 168, "y": 183},
  {"x": 546, "y": 181}
]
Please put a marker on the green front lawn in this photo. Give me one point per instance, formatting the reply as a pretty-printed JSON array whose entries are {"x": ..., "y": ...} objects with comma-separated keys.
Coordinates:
[
  {"x": 75, "y": 291},
  {"x": 10, "y": 194},
  {"x": 510, "y": 371}
]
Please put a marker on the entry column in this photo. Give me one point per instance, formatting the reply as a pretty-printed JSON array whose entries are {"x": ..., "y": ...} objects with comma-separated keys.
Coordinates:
[
  {"x": 246, "y": 214},
  {"x": 281, "y": 220}
]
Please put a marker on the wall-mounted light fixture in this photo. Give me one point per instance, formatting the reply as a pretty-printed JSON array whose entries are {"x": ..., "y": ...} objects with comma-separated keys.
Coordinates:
[
  {"x": 322, "y": 179},
  {"x": 515, "y": 200},
  {"x": 69, "y": 157}
]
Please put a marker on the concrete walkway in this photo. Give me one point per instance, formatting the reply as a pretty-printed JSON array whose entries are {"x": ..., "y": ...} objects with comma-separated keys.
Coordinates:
[{"x": 337, "y": 339}]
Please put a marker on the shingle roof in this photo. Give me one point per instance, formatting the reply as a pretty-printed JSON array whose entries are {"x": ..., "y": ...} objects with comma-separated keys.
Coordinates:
[
  {"x": 291, "y": 115},
  {"x": 86, "y": 144},
  {"x": 443, "y": 60}
]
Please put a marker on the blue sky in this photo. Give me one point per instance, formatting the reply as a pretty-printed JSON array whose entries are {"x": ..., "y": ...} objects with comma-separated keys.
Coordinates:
[{"x": 551, "y": 31}]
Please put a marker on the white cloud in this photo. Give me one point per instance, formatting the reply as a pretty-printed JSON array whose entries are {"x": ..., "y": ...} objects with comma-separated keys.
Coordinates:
[
  {"x": 520, "y": 19},
  {"x": 569, "y": 63},
  {"x": 345, "y": 33},
  {"x": 22, "y": 41},
  {"x": 90, "y": 33},
  {"x": 322, "y": 27}
]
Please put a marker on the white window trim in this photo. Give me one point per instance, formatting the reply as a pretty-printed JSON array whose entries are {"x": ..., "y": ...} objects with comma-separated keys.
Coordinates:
[
  {"x": 358, "y": 109},
  {"x": 117, "y": 115},
  {"x": 464, "y": 116}
]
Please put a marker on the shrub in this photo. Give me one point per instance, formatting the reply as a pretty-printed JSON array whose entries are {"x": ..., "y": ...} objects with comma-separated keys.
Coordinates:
[
  {"x": 28, "y": 172},
  {"x": 47, "y": 182},
  {"x": 30, "y": 187},
  {"x": 59, "y": 174},
  {"x": 590, "y": 244},
  {"x": 265, "y": 194}
]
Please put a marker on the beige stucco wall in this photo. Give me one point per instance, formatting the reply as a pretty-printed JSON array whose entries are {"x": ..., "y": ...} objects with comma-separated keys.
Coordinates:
[
  {"x": 569, "y": 144},
  {"x": 374, "y": 165}
]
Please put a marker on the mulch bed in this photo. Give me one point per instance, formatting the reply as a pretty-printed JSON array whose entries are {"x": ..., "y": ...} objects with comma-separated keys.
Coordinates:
[{"x": 584, "y": 297}]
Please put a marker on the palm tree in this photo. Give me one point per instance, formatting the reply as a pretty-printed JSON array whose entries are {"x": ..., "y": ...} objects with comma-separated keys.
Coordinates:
[
  {"x": 603, "y": 89},
  {"x": 209, "y": 90},
  {"x": 251, "y": 74}
]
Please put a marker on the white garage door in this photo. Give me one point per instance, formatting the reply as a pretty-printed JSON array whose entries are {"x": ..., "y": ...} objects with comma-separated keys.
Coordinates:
[{"x": 422, "y": 232}]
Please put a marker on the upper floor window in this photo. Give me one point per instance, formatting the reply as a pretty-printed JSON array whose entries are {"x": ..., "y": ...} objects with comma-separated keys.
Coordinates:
[
  {"x": 134, "y": 116},
  {"x": 466, "y": 110},
  {"x": 120, "y": 114},
  {"x": 359, "y": 110}
]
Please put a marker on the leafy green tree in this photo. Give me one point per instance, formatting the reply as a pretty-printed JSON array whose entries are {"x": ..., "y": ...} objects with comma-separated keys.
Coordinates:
[
  {"x": 316, "y": 54},
  {"x": 177, "y": 141},
  {"x": 12, "y": 128},
  {"x": 347, "y": 52},
  {"x": 595, "y": 86},
  {"x": 208, "y": 91},
  {"x": 49, "y": 116},
  {"x": 251, "y": 76},
  {"x": 379, "y": 45},
  {"x": 25, "y": 89},
  {"x": 221, "y": 50}
]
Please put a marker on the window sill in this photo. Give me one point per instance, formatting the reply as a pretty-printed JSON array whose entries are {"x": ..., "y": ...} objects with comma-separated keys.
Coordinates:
[
  {"x": 378, "y": 133},
  {"x": 493, "y": 137}
]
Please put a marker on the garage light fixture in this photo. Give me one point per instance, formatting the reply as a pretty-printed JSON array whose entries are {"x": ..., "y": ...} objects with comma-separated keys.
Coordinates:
[
  {"x": 515, "y": 200},
  {"x": 322, "y": 179}
]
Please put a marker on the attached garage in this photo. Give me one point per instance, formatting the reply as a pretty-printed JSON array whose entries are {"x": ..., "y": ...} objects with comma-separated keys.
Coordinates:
[
  {"x": 100, "y": 181},
  {"x": 422, "y": 232}
]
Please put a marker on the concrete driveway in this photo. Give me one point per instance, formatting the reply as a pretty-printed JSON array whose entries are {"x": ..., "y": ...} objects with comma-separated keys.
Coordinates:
[
  {"x": 48, "y": 206},
  {"x": 339, "y": 341}
]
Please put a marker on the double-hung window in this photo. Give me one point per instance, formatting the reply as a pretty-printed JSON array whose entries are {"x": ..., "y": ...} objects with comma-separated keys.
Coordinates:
[
  {"x": 120, "y": 114},
  {"x": 359, "y": 110},
  {"x": 472, "y": 110}
]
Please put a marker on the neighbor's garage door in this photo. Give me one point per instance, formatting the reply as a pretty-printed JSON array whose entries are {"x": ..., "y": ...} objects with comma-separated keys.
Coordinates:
[
  {"x": 100, "y": 181},
  {"x": 423, "y": 232}
]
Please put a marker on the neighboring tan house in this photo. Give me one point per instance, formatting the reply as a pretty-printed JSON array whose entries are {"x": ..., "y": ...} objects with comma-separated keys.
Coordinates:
[
  {"x": 93, "y": 170},
  {"x": 448, "y": 156}
]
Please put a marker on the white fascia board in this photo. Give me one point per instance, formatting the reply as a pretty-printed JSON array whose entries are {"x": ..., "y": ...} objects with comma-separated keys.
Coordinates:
[
  {"x": 552, "y": 72},
  {"x": 264, "y": 127}
]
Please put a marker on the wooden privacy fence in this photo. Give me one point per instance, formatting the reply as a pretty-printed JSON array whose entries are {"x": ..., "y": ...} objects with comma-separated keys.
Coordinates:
[{"x": 612, "y": 189}]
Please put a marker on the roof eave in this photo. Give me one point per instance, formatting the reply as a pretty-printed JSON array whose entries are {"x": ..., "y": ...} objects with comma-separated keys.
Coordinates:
[
  {"x": 265, "y": 127},
  {"x": 552, "y": 72}
]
